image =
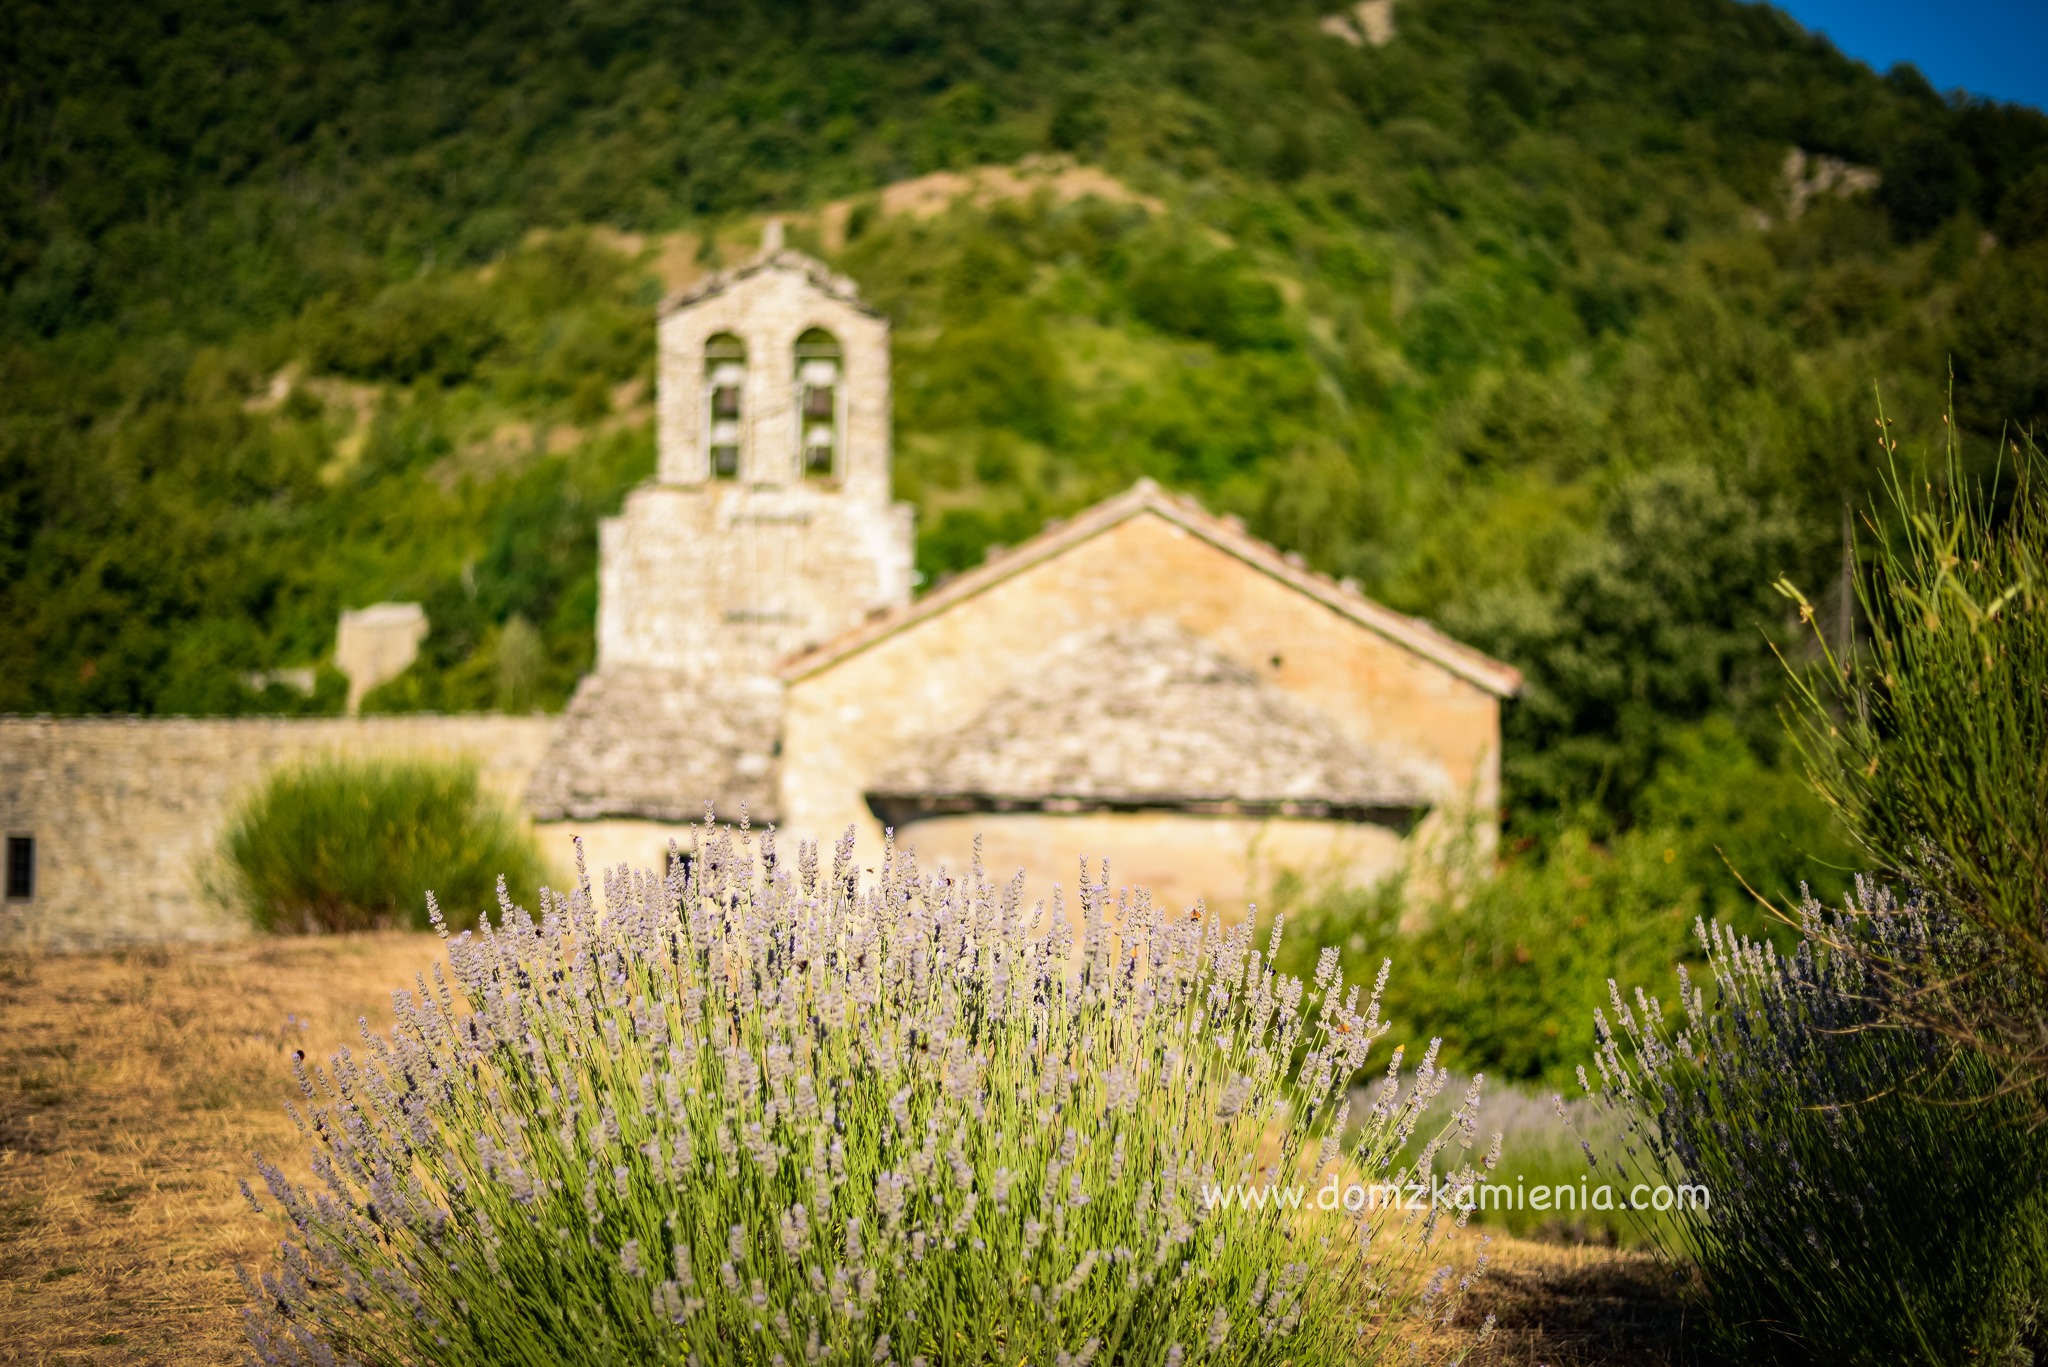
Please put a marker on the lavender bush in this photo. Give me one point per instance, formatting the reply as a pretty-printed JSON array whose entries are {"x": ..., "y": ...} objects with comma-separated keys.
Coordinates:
[
  {"x": 1874, "y": 1196},
  {"x": 764, "y": 1111}
]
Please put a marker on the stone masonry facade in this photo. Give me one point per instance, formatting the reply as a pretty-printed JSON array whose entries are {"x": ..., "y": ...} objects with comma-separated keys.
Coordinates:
[
  {"x": 767, "y": 530},
  {"x": 1391, "y": 683},
  {"x": 704, "y": 574}
]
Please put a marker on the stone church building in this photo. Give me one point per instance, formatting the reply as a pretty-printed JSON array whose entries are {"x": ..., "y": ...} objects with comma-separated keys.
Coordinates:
[{"x": 1143, "y": 681}]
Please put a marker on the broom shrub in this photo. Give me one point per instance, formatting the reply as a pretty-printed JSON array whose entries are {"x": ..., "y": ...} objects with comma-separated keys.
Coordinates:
[
  {"x": 353, "y": 845},
  {"x": 1866, "y": 1108}
]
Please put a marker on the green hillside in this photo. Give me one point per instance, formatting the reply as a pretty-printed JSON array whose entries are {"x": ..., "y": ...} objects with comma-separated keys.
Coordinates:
[{"x": 1511, "y": 319}]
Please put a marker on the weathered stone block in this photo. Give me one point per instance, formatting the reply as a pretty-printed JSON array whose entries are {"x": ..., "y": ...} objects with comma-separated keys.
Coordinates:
[{"x": 376, "y": 644}]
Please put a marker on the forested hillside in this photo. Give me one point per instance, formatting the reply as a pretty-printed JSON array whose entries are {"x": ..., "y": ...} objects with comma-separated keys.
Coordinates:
[{"x": 1521, "y": 319}]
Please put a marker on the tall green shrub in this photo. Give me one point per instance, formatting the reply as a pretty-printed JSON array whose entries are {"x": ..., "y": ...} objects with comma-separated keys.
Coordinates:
[
  {"x": 1507, "y": 970},
  {"x": 1933, "y": 747},
  {"x": 1508, "y": 967},
  {"x": 765, "y": 1110},
  {"x": 338, "y": 845}
]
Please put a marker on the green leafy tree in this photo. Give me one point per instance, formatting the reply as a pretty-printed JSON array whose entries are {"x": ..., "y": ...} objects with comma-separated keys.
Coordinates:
[
  {"x": 2001, "y": 344},
  {"x": 1664, "y": 614}
]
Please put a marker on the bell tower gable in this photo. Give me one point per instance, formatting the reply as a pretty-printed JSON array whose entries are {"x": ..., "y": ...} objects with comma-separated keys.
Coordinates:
[
  {"x": 768, "y": 526},
  {"x": 775, "y": 374}
]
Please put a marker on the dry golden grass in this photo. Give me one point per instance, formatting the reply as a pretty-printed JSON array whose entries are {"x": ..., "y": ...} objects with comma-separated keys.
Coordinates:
[{"x": 134, "y": 1086}]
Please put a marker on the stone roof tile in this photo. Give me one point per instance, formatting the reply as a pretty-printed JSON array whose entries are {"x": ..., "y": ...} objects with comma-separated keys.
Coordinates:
[
  {"x": 657, "y": 744},
  {"x": 1146, "y": 715}
]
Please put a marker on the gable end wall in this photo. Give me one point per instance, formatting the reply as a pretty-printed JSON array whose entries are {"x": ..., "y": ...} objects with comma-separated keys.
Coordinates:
[{"x": 933, "y": 676}]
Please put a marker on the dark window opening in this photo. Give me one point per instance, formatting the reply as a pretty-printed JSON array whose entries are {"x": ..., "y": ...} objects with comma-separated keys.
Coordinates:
[
  {"x": 818, "y": 368},
  {"x": 725, "y": 375},
  {"x": 21, "y": 866}
]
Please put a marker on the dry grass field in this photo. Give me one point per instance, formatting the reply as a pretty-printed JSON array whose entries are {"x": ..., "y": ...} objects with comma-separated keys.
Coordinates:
[{"x": 133, "y": 1087}]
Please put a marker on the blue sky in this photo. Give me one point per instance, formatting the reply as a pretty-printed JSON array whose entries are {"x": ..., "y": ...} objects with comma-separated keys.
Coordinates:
[{"x": 1988, "y": 47}]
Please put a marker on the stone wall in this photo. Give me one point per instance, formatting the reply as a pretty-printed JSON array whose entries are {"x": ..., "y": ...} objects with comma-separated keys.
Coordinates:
[
  {"x": 125, "y": 811},
  {"x": 724, "y": 579},
  {"x": 609, "y": 842},
  {"x": 375, "y": 644},
  {"x": 1227, "y": 862},
  {"x": 1224, "y": 861}
]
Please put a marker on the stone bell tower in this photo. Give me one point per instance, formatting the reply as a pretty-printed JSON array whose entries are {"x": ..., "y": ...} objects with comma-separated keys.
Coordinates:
[{"x": 767, "y": 529}]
